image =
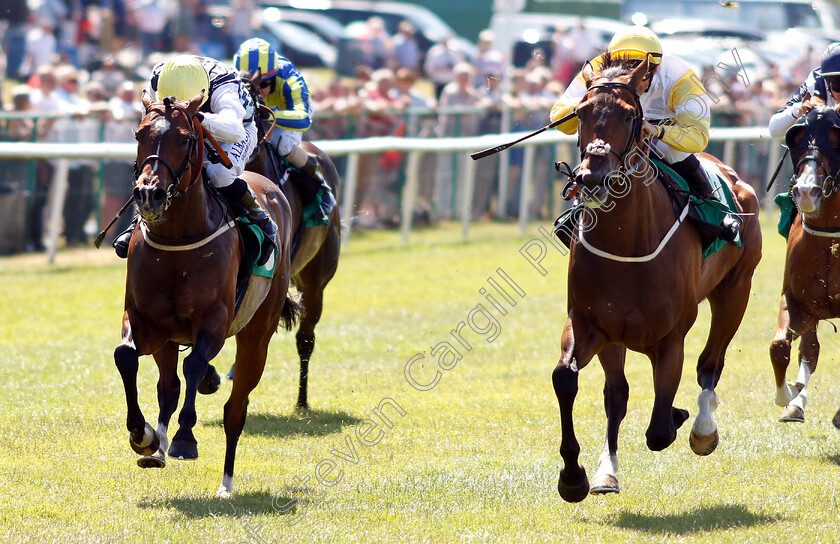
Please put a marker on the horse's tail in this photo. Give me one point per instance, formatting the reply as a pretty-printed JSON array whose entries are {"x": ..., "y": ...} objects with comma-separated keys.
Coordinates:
[{"x": 292, "y": 311}]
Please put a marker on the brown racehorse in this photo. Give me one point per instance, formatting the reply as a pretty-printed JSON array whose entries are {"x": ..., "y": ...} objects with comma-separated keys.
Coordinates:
[
  {"x": 811, "y": 285},
  {"x": 180, "y": 288},
  {"x": 316, "y": 259},
  {"x": 636, "y": 277}
]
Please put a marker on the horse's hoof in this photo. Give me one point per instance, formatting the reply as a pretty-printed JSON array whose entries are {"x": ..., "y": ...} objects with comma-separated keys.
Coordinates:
[
  {"x": 230, "y": 372},
  {"x": 147, "y": 444},
  {"x": 184, "y": 451},
  {"x": 576, "y": 491},
  {"x": 793, "y": 413},
  {"x": 604, "y": 483},
  {"x": 836, "y": 420},
  {"x": 157, "y": 460},
  {"x": 210, "y": 383},
  {"x": 703, "y": 445}
]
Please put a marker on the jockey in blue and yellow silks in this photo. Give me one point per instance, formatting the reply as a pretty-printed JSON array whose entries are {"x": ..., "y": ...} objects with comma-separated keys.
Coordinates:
[{"x": 285, "y": 91}]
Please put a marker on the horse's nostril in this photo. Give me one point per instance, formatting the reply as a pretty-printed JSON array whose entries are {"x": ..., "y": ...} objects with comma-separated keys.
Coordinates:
[{"x": 158, "y": 195}]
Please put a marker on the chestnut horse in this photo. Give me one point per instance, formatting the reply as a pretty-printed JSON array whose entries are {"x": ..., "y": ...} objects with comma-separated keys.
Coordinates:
[
  {"x": 811, "y": 285},
  {"x": 316, "y": 259},
  {"x": 636, "y": 277},
  {"x": 183, "y": 261}
]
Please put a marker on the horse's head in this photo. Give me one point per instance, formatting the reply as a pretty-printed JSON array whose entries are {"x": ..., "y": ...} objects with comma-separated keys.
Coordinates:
[
  {"x": 814, "y": 144},
  {"x": 170, "y": 154},
  {"x": 610, "y": 116}
]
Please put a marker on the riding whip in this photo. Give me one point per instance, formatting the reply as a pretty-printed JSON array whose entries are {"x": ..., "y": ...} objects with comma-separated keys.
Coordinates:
[
  {"x": 101, "y": 236},
  {"x": 493, "y": 150},
  {"x": 778, "y": 167}
]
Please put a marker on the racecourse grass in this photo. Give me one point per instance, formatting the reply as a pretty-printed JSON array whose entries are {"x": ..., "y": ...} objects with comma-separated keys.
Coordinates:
[{"x": 475, "y": 459}]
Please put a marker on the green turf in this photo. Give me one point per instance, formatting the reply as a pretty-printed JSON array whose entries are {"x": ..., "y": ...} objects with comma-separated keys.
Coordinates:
[{"x": 474, "y": 459}]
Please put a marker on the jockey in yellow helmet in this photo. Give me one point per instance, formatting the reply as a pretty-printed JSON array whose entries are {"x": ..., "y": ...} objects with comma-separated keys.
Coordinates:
[
  {"x": 227, "y": 113},
  {"x": 284, "y": 90},
  {"x": 675, "y": 105}
]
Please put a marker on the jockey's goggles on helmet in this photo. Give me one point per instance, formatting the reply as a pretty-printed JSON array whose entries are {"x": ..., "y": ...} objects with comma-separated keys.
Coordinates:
[{"x": 833, "y": 83}]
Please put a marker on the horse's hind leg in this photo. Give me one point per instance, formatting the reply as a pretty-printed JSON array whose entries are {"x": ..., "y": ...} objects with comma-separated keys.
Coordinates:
[
  {"x": 616, "y": 393},
  {"x": 251, "y": 351},
  {"x": 728, "y": 302},
  {"x": 579, "y": 346},
  {"x": 311, "y": 283},
  {"x": 168, "y": 391},
  {"x": 809, "y": 353}
]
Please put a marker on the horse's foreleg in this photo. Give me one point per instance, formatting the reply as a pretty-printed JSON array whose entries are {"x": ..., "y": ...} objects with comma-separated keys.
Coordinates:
[
  {"x": 809, "y": 352},
  {"x": 667, "y": 361},
  {"x": 168, "y": 391},
  {"x": 616, "y": 393},
  {"x": 209, "y": 341},
  {"x": 142, "y": 438},
  {"x": 579, "y": 346}
]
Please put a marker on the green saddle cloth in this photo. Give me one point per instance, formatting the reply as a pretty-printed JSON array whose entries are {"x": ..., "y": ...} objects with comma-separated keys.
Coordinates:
[
  {"x": 253, "y": 242},
  {"x": 787, "y": 213},
  {"x": 711, "y": 212}
]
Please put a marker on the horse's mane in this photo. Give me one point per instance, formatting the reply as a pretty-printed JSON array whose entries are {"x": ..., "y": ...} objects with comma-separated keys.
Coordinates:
[{"x": 614, "y": 65}]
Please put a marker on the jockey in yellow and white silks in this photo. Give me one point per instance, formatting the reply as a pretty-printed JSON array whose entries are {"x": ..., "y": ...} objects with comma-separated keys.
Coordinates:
[
  {"x": 675, "y": 105},
  {"x": 227, "y": 113}
]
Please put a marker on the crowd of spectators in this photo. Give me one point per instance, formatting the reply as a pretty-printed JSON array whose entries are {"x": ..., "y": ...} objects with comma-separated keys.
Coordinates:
[{"x": 87, "y": 60}]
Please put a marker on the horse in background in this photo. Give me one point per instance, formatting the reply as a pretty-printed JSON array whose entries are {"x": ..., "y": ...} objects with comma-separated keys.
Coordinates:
[
  {"x": 316, "y": 249},
  {"x": 811, "y": 284},
  {"x": 636, "y": 277},
  {"x": 181, "y": 286}
]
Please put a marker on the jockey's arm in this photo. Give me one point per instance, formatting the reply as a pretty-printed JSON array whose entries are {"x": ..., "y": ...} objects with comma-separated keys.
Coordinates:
[
  {"x": 689, "y": 129},
  {"x": 567, "y": 103},
  {"x": 225, "y": 123},
  {"x": 291, "y": 107}
]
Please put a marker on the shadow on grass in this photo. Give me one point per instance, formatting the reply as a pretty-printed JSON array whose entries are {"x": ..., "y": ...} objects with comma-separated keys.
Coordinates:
[
  {"x": 708, "y": 518},
  {"x": 833, "y": 458},
  {"x": 238, "y": 506},
  {"x": 310, "y": 423}
]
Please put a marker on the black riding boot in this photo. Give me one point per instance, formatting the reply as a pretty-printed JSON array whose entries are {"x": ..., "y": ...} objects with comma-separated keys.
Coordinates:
[
  {"x": 241, "y": 196},
  {"x": 309, "y": 185},
  {"x": 121, "y": 241},
  {"x": 690, "y": 169}
]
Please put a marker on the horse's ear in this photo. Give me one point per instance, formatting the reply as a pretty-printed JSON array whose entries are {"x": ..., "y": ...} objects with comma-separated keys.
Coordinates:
[
  {"x": 639, "y": 74},
  {"x": 195, "y": 103},
  {"x": 588, "y": 73},
  {"x": 146, "y": 99}
]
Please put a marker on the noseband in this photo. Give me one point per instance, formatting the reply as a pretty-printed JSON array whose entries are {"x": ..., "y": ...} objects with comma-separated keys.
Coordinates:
[
  {"x": 196, "y": 148},
  {"x": 829, "y": 186}
]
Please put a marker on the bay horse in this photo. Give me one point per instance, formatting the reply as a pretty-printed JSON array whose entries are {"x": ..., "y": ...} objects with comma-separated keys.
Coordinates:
[
  {"x": 182, "y": 267},
  {"x": 811, "y": 284},
  {"x": 315, "y": 261},
  {"x": 636, "y": 277}
]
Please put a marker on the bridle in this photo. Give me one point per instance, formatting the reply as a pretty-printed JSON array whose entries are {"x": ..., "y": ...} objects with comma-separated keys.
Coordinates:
[
  {"x": 598, "y": 147},
  {"x": 829, "y": 185},
  {"x": 196, "y": 149}
]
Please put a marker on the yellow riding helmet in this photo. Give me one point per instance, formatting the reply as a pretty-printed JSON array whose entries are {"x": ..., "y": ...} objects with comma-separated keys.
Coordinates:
[
  {"x": 183, "y": 77},
  {"x": 635, "y": 42}
]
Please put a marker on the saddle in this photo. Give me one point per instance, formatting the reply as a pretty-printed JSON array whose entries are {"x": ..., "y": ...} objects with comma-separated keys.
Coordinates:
[{"x": 708, "y": 216}]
